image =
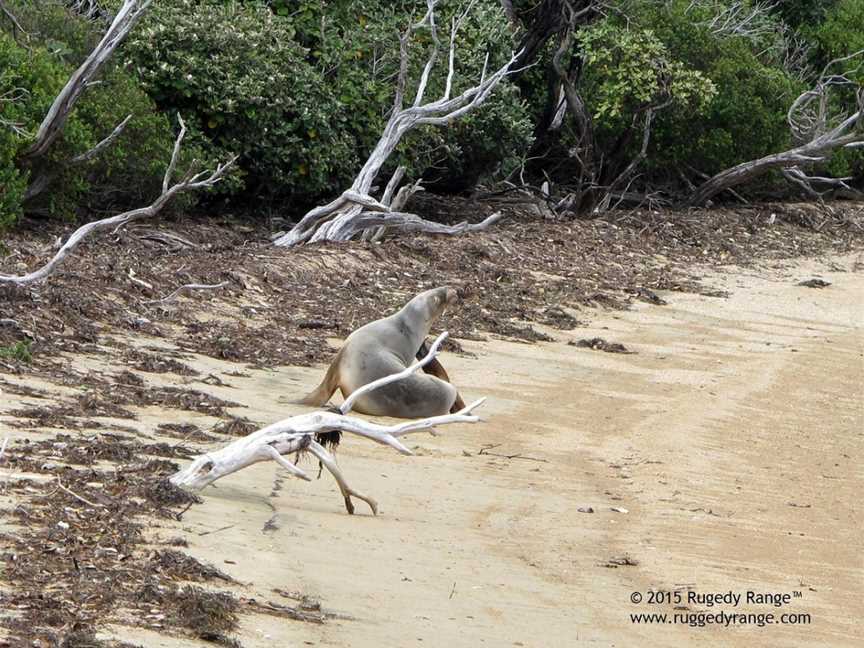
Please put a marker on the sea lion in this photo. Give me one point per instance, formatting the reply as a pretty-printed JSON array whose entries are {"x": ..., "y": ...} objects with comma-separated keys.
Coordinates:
[{"x": 385, "y": 347}]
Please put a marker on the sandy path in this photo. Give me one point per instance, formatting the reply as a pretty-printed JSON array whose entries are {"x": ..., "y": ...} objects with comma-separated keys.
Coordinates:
[{"x": 733, "y": 440}]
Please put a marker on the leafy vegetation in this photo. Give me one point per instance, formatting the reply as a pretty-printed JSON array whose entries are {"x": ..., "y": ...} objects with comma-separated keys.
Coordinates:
[
  {"x": 301, "y": 89},
  {"x": 32, "y": 74},
  {"x": 19, "y": 351}
]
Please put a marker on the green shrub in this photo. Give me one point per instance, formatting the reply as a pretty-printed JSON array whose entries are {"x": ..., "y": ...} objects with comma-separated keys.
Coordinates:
[
  {"x": 803, "y": 14},
  {"x": 746, "y": 119},
  {"x": 842, "y": 33},
  {"x": 629, "y": 70},
  {"x": 19, "y": 351},
  {"x": 302, "y": 90},
  {"x": 12, "y": 181},
  {"x": 239, "y": 79},
  {"x": 29, "y": 77},
  {"x": 127, "y": 173}
]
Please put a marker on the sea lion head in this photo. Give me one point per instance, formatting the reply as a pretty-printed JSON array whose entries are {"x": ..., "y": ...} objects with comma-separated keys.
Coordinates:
[{"x": 430, "y": 304}]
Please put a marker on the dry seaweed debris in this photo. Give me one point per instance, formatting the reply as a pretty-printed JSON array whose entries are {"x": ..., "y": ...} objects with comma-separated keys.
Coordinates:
[
  {"x": 814, "y": 283},
  {"x": 156, "y": 363},
  {"x": 78, "y": 557},
  {"x": 599, "y": 344},
  {"x": 610, "y": 260},
  {"x": 237, "y": 426},
  {"x": 184, "y": 432},
  {"x": 108, "y": 398}
]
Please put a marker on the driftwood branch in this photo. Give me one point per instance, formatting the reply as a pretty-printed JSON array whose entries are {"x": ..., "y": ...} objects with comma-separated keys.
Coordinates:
[
  {"x": 52, "y": 125},
  {"x": 189, "y": 182},
  {"x": 819, "y": 134},
  {"x": 348, "y": 215},
  {"x": 42, "y": 181},
  {"x": 12, "y": 96},
  {"x": 186, "y": 288},
  {"x": 104, "y": 144},
  {"x": 297, "y": 434}
]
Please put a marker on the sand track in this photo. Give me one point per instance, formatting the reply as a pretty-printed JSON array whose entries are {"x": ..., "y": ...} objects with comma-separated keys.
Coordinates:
[{"x": 732, "y": 438}]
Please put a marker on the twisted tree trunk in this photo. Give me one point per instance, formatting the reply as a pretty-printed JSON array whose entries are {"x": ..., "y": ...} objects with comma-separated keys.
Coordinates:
[{"x": 356, "y": 211}]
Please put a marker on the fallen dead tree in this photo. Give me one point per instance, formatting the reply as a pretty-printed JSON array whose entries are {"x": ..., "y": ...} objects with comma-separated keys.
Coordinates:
[
  {"x": 819, "y": 131},
  {"x": 355, "y": 211},
  {"x": 301, "y": 434},
  {"x": 191, "y": 181}
]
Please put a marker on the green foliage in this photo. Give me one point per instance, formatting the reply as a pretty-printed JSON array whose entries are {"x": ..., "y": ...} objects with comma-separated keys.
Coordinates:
[
  {"x": 19, "y": 351},
  {"x": 302, "y": 90},
  {"x": 26, "y": 81},
  {"x": 126, "y": 173},
  {"x": 631, "y": 70},
  {"x": 842, "y": 32},
  {"x": 12, "y": 181},
  {"x": 237, "y": 76},
  {"x": 744, "y": 120},
  {"x": 803, "y": 14}
]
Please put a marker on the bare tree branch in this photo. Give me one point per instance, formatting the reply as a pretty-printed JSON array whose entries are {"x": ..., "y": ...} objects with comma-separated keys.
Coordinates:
[
  {"x": 349, "y": 215},
  {"x": 104, "y": 144},
  {"x": 820, "y": 134},
  {"x": 12, "y": 96},
  {"x": 189, "y": 182},
  {"x": 126, "y": 18}
]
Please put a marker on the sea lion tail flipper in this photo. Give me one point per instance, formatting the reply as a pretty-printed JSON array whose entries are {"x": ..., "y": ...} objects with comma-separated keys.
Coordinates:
[
  {"x": 322, "y": 393},
  {"x": 458, "y": 404}
]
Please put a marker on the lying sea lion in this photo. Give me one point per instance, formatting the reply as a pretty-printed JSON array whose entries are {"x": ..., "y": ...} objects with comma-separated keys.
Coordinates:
[{"x": 385, "y": 347}]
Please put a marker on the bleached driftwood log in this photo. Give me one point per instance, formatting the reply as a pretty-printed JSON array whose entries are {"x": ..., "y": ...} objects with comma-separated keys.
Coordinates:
[
  {"x": 818, "y": 131},
  {"x": 190, "y": 182},
  {"x": 356, "y": 210},
  {"x": 297, "y": 434}
]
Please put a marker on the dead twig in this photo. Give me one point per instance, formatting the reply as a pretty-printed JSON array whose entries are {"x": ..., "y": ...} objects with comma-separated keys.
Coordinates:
[
  {"x": 486, "y": 448},
  {"x": 77, "y": 496},
  {"x": 185, "y": 288}
]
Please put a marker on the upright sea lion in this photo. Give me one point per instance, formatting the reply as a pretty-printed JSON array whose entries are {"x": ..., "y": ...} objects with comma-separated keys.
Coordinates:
[{"x": 385, "y": 347}]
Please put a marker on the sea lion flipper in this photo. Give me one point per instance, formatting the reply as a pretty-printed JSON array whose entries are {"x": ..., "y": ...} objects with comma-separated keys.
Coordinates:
[
  {"x": 435, "y": 368},
  {"x": 322, "y": 393},
  {"x": 458, "y": 404}
]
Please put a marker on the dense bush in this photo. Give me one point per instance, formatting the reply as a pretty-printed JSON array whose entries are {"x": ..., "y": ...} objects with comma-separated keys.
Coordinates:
[
  {"x": 302, "y": 94},
  {"x": 12, "y": 180},
  {"x": 842, "y": 32},
  {"x": 237, "y": 76},
  {"x": 803, "y": 14},
  {"x": 301, "y": 90},
  {"x": 746, "y": 116},
  {"x": 127, "y": 173},
  {"x": 29, "y": 80}
]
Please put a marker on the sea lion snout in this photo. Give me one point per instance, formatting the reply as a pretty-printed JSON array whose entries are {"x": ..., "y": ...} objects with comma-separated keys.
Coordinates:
[{"x": 451, "y": 296}]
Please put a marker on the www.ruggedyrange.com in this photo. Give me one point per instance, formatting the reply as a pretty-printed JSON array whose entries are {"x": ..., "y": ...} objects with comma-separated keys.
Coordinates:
[{"x": 725, "y": 609}]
